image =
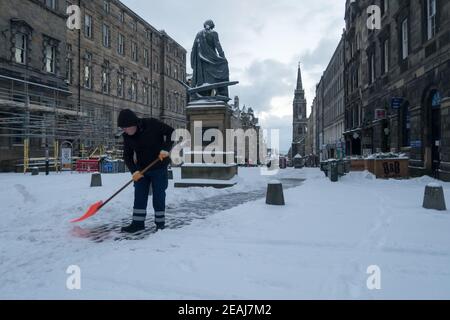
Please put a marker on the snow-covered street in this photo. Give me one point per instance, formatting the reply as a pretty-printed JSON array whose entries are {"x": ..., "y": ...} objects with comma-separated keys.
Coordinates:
[{"x": 318, "y": 246}]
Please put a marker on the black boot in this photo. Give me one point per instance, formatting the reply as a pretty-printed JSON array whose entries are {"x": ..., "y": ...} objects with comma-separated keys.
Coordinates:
[
  {"x": 160, "y": 226},
  {"x": 134, "y": 227}
]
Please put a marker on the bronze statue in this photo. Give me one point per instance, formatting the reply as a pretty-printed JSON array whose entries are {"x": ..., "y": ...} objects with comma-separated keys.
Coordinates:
[{"x": 208, "y": 61}]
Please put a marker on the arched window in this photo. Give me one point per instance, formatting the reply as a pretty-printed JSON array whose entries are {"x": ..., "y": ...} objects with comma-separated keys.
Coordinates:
[{"x": 436, "y": 100}]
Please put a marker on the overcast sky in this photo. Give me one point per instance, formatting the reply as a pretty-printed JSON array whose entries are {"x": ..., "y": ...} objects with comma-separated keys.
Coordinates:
[{"x": 263, "y": 41}]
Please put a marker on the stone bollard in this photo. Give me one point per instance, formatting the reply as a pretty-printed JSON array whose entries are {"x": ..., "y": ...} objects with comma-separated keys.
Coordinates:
[
  {"x": 170, "y": 174},
  {"x": 35, "y": 171},
  {"x": 434, "y": 197},
  {"x": 96, "y": 180},
  {"x": 274, "y": 194}
]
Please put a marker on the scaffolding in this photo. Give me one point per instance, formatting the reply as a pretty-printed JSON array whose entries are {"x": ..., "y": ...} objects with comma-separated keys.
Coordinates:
[{"x": 37, "y": 117}]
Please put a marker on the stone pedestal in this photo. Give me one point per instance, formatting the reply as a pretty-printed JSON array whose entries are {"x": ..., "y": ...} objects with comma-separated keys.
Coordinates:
[
  {"x": 209, "y": 171},
  {"x": 195, "y": 172}
]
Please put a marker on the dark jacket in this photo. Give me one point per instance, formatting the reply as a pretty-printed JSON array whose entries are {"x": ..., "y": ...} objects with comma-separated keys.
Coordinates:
[{"x": 151, "y": 137}]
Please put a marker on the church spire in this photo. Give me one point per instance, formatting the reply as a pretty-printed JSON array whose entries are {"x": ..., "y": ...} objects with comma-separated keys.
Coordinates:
[
  {"x": 300, "y": 121},
  {"x": 299, "y": 78}
]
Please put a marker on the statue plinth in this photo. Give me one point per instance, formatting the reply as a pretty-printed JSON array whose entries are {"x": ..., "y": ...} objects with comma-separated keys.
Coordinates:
[{"x": 194, "y": 172}]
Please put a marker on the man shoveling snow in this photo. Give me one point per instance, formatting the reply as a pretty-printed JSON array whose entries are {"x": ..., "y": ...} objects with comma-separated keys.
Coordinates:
[{"x": 146, "y": 140}]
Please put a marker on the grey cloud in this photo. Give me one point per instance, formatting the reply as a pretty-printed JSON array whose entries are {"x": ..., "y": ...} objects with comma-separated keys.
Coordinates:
[
  {"x": 269, "y": 78},
  {"x": 320, "y": 55}
]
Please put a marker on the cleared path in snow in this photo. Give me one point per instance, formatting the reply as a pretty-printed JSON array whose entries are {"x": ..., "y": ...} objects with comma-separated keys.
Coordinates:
[{"x": 180, "y": 215}]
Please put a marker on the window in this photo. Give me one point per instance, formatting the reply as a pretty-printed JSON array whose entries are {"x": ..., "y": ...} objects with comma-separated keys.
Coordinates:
[
  {"x": 88, "y": 26},
  {"x": 133, "y": 96},
  {"x": 69, "y": 63},
  {"x": 385, "y": 56},
  {"x": 405, "y": 39},
  {"x": 51, "y": 4},
  {"x": 106, "y": 6},
  {"x": 431, "y": 18},
  {"x": 88, "y": 71},
  {"x": 149, "y": 34},
  {"x": 436, "y": 100},
  {"x": 155, "y": 96},
  {"x": 145, "y": 93},
  {"x": 69, "y": 70},
  {"x": 20, "y": 48},
  {"x": 134, "y": 51},
  {"x": 122, "y": 16},
  {"x": 384, "y": 6},
  {"x": 106, "y": 79},
  {"x": 133, "y": 88},
  {"x": 121, "y": 45},
  {"x": 121, "y": 82},
  {"x": 106, "y": 36},
  {"x": 146, "y": 58},
  {"x": 50, "y": 58},
  {"x": 134, "y": 26}
]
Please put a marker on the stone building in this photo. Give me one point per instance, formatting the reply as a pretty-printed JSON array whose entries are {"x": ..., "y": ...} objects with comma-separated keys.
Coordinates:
[
  {"x": 398, "y": 82},
  {"x": 333, "y": 108},
  {"x": 355, "y": 62},
  {"x": 60, "y": 85},
  {"x": 310, "y": 148},
  {"x": 124, "y": 63},
  {"x": 32, "y": 78},
  {"x": 319, "y": 109}
]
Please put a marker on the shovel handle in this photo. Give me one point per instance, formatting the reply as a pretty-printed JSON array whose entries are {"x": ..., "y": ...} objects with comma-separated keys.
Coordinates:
[{"x": 129, "y": 182}]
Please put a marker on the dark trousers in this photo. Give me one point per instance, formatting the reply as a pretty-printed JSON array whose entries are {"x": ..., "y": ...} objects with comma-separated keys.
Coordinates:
[{"x": 159, "y": 182}]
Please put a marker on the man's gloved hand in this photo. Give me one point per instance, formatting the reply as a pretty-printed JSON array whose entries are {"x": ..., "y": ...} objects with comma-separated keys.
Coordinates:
[
  {"x": 137, "y": 176},
  {"x": 163, "y": 154}
]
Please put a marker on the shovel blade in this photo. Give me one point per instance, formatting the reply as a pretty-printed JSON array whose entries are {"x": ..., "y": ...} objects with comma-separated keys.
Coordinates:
[{"x": 91, "y": 211}]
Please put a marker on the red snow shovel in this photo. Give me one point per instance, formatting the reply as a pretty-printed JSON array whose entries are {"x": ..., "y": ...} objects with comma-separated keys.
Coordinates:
[{"x": 97, "y": 206}]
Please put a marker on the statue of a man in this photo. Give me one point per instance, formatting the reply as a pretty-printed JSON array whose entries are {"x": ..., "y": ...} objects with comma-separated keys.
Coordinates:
[{"x": 208, "y": 59}]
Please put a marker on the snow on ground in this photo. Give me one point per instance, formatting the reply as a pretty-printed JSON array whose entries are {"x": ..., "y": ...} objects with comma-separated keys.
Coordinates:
[{"x": 317, "y": 246}]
